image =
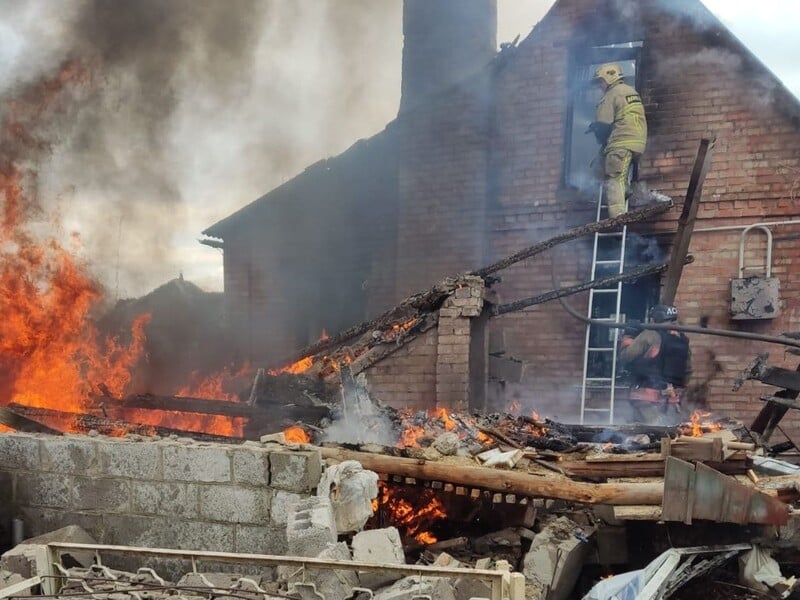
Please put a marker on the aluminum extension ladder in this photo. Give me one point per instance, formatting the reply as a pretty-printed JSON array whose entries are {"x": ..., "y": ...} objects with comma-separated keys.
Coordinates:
[{"x": 601, "y": 345}]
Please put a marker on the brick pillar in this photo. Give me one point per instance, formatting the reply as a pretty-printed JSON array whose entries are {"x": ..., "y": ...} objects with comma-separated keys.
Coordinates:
[{"x": 453, "y": 346}]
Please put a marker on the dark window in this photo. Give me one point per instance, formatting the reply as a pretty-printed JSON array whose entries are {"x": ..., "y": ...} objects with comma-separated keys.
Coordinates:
[{"x": 581, "y": 147}]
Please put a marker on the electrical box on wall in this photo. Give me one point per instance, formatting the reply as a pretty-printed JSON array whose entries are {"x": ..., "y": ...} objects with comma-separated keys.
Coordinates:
[{"x": 755, "y": 297}]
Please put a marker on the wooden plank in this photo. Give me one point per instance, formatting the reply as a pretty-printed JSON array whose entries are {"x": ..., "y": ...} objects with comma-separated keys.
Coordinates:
[
  {"x": 623, "y": 458},
  {"x": 505, "y": 481},
  {"x": 683, "y": 235},
  {"x": 599, "y": 470},
  {"x": 18, "y": 422},
  {"x": 637, "y": 513}
]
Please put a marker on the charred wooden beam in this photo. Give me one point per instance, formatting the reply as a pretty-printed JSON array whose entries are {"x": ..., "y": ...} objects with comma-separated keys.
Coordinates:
[
  {"x": 609, "y": 470},
  {"x": 18, "y": 422},
  {"x": 633, "y": 216},
  {"x": 683, "y": 235},
  {"x": 630, "y": 275},
  {"x": 106, "y": 426},
  {"x": 202, "y": 406},
  {"x": 514, "y": 482}
]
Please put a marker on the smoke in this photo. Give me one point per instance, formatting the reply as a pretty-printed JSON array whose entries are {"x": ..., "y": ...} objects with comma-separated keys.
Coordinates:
[{"x": 195, "y": 107}]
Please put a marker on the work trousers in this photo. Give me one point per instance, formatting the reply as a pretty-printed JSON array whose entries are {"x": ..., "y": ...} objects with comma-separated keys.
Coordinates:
[{"x": 615, "y": 165}]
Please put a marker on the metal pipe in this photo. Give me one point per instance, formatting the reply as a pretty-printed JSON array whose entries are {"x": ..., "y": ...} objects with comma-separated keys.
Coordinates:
[{"x": 735, "y": 227}]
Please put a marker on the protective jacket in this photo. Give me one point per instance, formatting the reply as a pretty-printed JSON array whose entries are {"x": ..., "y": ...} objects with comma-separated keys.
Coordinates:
[
  {"x": 621, "y": 108},
  {"x": 658, "y": 358}
]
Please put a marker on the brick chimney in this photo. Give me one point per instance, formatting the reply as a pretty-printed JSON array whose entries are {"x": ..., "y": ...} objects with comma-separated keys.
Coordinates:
[{"x": 445, "y": 41}]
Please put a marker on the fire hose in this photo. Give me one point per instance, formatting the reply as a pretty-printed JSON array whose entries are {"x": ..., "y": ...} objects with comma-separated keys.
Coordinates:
[{"x": 741, "y": 335}]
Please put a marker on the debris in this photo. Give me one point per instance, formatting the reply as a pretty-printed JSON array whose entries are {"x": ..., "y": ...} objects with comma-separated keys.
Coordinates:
[
  {"x": 334, "y": 584},
  {"x": 378, "y": 546},
  {"x": 21, "y": 558},
  {"x": 310, "y": 527},
  {"x": 556, "y": 557},
  {"x": 759, "y": 571},
  {"x": 447, "y": 443},
  {"x": 700, "y": 492},
  {"x": 409, "y": 588},
  {"x": 496, "y": 458},
  {"x": 351, "y": 490}
]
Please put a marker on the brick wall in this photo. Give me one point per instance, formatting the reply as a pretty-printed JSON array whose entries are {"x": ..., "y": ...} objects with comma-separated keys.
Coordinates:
[
  {"x": 697, "y": 81},
  {"x": 155, "y": 493}
]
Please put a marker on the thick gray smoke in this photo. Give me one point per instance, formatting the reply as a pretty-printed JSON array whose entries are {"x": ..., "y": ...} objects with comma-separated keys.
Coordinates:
[{"x": 192, "y": 109}]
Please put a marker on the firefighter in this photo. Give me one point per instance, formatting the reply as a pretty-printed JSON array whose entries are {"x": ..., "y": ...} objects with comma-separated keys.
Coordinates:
[
  {"x": 621, "y": 130},
  {"x": 659, "y": 363}
]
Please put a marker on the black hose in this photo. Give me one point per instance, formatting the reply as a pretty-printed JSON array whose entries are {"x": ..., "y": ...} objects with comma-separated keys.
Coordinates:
[{"x": 742, "y": 335}]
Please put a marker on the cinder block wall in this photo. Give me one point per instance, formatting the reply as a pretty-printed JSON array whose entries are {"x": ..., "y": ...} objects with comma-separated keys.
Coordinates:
[{"x": 163, "y": 493}]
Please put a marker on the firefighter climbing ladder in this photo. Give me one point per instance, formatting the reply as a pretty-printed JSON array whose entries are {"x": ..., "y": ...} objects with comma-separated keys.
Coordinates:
[{"x": 599, "y": 385}]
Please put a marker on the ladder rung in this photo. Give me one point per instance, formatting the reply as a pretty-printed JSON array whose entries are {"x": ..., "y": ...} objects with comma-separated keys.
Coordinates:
[
  {"x": 607, "y": 262},
  {"x": 596, "y": 410},
  {"x": 599, "y": 379},
  {"x": 610, "y": 233},
  {"x": 605, "y": 290},
  {"x": 597, "y": 349}
]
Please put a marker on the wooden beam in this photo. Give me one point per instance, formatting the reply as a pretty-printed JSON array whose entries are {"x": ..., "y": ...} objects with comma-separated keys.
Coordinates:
[
  {"x": 633, "y": 216},
  {"x": 630, "y": 275},
  {"x": 683, "y": 235},
  {"x": 650, "y": 468},
  {"x": 506, "y": 481},
  {"x": 18, "y": 422},
  {"x": 105, "y": 426}
]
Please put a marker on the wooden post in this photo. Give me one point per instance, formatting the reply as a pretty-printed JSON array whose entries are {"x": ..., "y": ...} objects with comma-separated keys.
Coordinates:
[{"x": 683, "y": 235}]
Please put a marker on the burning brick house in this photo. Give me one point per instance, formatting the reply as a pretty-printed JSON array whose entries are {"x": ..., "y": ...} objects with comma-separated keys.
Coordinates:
[{"x": 488, "y": 155}]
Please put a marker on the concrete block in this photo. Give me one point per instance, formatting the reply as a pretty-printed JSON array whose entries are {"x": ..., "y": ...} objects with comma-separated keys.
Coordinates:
[
  {"x": 197, "y": 464},
  {"x": 281, "y": 506},
  {"x": 334, "y": 584},
  {"x": 102, "y": 495},
  {"x": 257, "y": 539},
  {"x": 165, "y": 499},
  {"x": 295, "y": 471},
  {"x": 39, "y": 520},
  {"x": 251, "y": 466},
  {"x": 410, "y": 587},
  {"x": 129, "y": 459},
  {"x": 43, "y": 489},
  {"x": 465, "y": 589},
  {"x": 351, "y": 490},
  {"x": 378, "y": 546},
  {"x": 310, "y": 527},
  {"x": 19, "y": 451},
  {"x": 135, "y": 530},
  {"x": 21, "y": 558},
  {"x": 556, "y": 557},
  {"x": 234, "y": 504},
  {"x": 446, "y": 444},
  {"x": 69, "y": 455}
]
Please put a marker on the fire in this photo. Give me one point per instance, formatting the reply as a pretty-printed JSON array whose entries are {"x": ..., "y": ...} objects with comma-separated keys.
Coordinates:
[
  {"x": 700, "y": 423},
  {"x": 213, "y": 386},
  {"x": 444, "y": 415},
  {"x": 192, "y": 422},
  {"x": 296, "y": 368},
  {"x": 515, "y": 408},
  {"x": 410, "y": 436},
  {"x": 412, "y": 511},
  {"x": 296, "y": 435},
  {"x": 50, "y": 353}
]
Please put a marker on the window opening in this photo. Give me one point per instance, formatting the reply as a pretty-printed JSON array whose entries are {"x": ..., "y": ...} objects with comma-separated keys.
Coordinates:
[{"x": 581, "y": 148}]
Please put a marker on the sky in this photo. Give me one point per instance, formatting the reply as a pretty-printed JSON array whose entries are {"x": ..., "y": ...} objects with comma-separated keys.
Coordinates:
[{"x": 303, "y": 81}]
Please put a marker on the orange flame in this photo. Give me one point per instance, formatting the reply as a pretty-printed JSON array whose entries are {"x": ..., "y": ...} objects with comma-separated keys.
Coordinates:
[
  {"x": 413, "y": 511},
  {"x": 700, "y": 423},
  {"x": 296, "y": 435},
  {"x": 296, "y": 368}
]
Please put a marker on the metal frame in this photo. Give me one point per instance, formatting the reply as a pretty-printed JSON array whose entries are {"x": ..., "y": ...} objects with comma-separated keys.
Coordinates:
[
  {"x": 503, "y": 583},
  {"x": 587, "y": 349},
  {"x": 743, "y": 239}
]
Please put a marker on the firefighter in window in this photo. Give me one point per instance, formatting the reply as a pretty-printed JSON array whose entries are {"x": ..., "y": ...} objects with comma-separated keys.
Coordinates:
[
  {"x": 659, "y": 364},
  {"x": 620, "y": 127}
]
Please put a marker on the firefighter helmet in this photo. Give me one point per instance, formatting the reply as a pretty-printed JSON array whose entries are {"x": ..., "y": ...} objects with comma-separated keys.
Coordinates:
[
  {"x": 608, "y": 73},
  {"x": 663, "y": 312}
]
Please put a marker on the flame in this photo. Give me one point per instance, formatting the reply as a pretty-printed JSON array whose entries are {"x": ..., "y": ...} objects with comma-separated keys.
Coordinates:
[
  {"x": 699, "y": 424},
  {"x": 515, "y": 408},
  {"x": 296, "y": 368},
  {"x": 213, "y": 386},
  {"x": 190, "y": 422},
  {"x": 50, "y": 353},
  {"x": 410, "y": 436},
  {"x": 535, "y": 416},
  {"x": 296, "y": 435},
  {"x": 444, "y": 415},
  {"x": 412, "y": 511},
  {"x": 324, "y": 336}
]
